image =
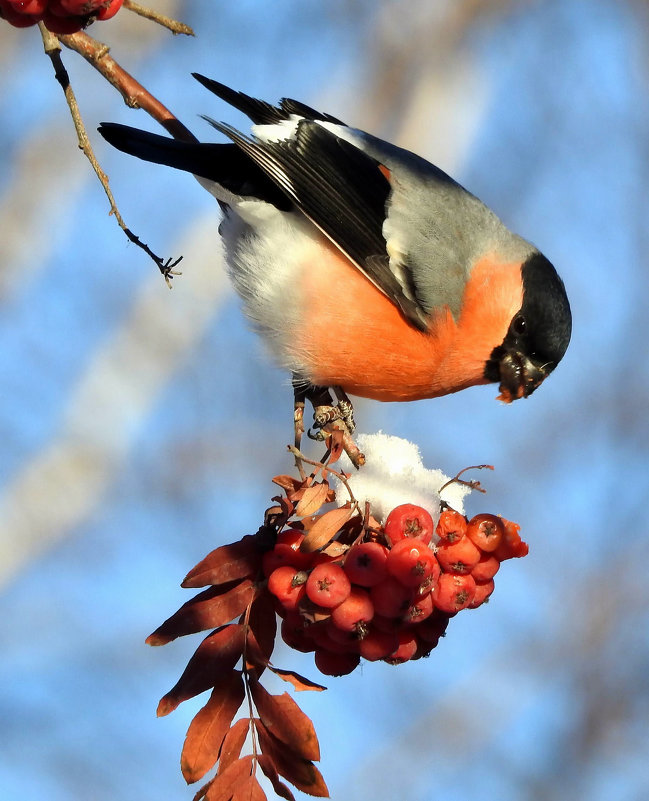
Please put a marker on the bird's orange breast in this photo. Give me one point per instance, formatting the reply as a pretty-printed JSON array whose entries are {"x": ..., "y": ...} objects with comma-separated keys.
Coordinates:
[{"x": 353, "y": 336}]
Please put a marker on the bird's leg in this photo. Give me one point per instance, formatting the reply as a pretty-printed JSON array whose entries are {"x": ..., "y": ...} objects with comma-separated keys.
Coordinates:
[
  {"x": 326, "y": 415},
  {"x": 345, "y": 408}
]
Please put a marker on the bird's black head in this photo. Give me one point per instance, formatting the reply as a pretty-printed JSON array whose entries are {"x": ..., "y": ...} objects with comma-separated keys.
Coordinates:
[{"x": 538, "y": 334}]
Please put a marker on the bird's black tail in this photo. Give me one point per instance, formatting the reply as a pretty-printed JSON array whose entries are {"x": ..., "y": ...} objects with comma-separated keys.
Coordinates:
[{"x": 225, "y": 164}]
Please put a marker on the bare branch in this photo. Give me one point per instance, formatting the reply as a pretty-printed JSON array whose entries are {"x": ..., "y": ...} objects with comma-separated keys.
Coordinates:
[{"x": 148, "y": 13}]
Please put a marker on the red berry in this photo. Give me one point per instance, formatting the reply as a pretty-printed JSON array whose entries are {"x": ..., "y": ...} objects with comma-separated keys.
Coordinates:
[
  {"x": 390, "y": 598},
  {"x": 283, "y": 554},
  {"x": 348, "y": 639},
  {"x": 453, "y": 592},
  {"x": 389, "y": 624},
  {"x": 434, "y": 627},
  {"x": 295, "y": 633},
  {"x": 63, "y": 25},
  {"x": 451, "y": 526},
  {"x": 321, "y": 635},
  {"x": 411, "y": 561},
  {"x": 482, "y": 593},
  {"x": 378, "y": 644},
  {"x": 288, "y": 585},
  {"x": 80, "y": 8},
  {"x": 419, "y": 610},
  {"x": 328, "y": 585},
  {"x": 33, "y": 7},
  {"x": 486, "y": 568},
  {"x": 486, "y": 531},
  {"x": 458, "y": 557},
  {"x": 110, "y": 9},
  {"x": 365, "y": 564},
  {"x": 355, "y": 612},
  {"x": 408, "y": 647},
  {"x": 408, "y": 520},
  {"x": 16, "y": 18},
  {"x": 511, "y": 545},
  {"x": 332, "y": 664}
]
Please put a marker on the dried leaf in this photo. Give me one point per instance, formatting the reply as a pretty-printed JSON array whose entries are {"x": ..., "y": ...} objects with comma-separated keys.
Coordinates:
[
  {"x": 224, "y": 786},
  {"x": 299, "y": 682},
  {"x": 270, "y": 771},
  {"x": 209, "y": 727},
  {"x": 312, "y": 499},
  {"x": 217, "y": 654},
  {"x": 335, "y": 445},
  {"x": 284, "y": 719},
  {"x": 208, "y": 610},
  {"x": 237, "y": 560},
  {"x": 262, "y": 622},
  {"x": 203, "y": 791},
  {"x": 325, "y": 528},
  {"x": 287, "y": 483},
  {"x": 249, "y": 790},
  {"x": 300, "y": 772},
  {"x": 335, "y": 548},
  {"x": 233, "y": 743}
]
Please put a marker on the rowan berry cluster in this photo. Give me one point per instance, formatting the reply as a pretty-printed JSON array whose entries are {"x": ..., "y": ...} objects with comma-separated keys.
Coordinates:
[
  {"x": 58, "y": 16},
  {"x": 391, "y": 594}
]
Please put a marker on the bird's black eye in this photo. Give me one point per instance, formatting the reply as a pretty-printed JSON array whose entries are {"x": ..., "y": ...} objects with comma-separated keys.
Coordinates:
[{"x": 519, "y": 326}]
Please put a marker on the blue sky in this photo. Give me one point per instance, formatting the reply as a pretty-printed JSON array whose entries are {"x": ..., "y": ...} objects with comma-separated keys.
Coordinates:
[{"x": 500, "y": 706}]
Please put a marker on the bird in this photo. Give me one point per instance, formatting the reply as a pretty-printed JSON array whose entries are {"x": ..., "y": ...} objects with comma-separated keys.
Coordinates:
[{"x": 366, "y": 269}]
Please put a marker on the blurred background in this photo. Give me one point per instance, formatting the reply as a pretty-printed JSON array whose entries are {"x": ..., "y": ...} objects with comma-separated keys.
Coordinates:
[{"x": 140, "y": 427}]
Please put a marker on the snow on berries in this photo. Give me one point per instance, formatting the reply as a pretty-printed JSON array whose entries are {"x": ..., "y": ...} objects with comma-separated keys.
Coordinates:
[{"x": 58, "y": 16}]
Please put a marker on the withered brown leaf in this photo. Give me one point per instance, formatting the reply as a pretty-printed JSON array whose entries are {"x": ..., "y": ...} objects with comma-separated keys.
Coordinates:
[
  {"x": 217, "y": 654},
  {"x": 325, "y": 528},
  {"x": 233, "y": 743},
  {"x": 298, "y": 681},
  {"x": 300, "y": 772},
  {"x": 238, "y": 560},
  {"x": 312, "y": 499},
  {"x": 284, "y": 719},
  {"x": 208, "y": 610},
  {"x": 208, "y": 728},
  {"x": 224, "y": 786},
  {"x": 270, "y": 771}
]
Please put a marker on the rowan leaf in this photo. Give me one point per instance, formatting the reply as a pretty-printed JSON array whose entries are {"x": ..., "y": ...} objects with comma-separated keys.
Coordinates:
[
  {"x": 237, "y": 560},
  {"x": 287, "y": 483},
  {"x": 217, "y": 654},
  {"x": 284, "y": 719},
  {"x": 249, "y": 790},
  {"x": 208, "y": 610},
  {"x": 270, "y": 771},
  {"x": 335, "y": 445},
  {"x": 325, "y": 528},
  {"x": 233, "y": 743},
  {"x": 312, "y": 499},
  {"x": 299, "y": 682},
  {"x": 224, "y": 786},
  {"x": 208, "y": 728},
  {"x": 262, "y": 623},
  {"x": 302, "y": 773}
]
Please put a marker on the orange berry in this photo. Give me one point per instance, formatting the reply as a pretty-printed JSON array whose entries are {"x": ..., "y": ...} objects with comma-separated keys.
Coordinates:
[
  {"x": 451, "y": 526},
  {"x": 458, "y": 557},
  {"x": 408, "y": 520},
  {"x": 486, "y": 531},
  {"x": 453, "y": 592}
]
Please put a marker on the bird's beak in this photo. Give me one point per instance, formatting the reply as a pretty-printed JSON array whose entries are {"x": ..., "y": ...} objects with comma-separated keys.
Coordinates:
[{"x": 519, "y": 376}]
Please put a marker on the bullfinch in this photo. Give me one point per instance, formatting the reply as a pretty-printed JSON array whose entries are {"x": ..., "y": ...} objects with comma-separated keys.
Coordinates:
[{"x": 364, "y": 267}]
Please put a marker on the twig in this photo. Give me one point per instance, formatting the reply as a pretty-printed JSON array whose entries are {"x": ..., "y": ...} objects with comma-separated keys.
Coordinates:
[
  {"x": 474, "y": 485},
  {"x": 342, "y": 477},
  {"x": 53, "y": 50},
  {"x": 134, "y": 94},
  {"x": 173, "y": 25}
]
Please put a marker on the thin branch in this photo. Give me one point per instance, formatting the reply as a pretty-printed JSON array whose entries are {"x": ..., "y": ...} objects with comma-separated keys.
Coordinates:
[
  {"x": 148, "y": 13},
  {"x": 135, "y": 95},
  {"x": 474, "y": 485},
  {"x": 53, "y": 50}
]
